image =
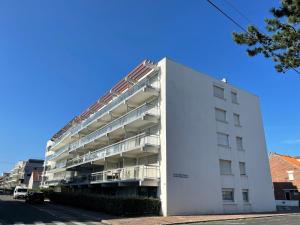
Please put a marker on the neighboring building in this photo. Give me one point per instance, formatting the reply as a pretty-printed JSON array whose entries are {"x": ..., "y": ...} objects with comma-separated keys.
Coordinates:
[
  {"x": 3, "y": 180},
  {"x": 168, "y": 131},
  {"x": 285, "y": 171},
  {"x": 15, "y": 177},
  {"x": 35, "y": 180},
  {"x": 21, "y": 173},
  {"x": 31, "y": 165}
]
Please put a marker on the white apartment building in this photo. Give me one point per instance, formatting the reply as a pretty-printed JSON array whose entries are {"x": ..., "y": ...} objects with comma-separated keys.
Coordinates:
[
  {"x": 168, "y": 131},
  {"x": 21, "y": 173},
  {"x": 15, "y": 177}
]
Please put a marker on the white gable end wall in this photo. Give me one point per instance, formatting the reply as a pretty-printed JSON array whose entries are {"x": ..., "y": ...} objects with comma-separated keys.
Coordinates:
[{"x": 191, "y": 153}]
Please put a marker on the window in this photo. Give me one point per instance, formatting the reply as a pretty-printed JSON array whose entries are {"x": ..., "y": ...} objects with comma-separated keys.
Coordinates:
[
  {"x": 245, "y": 195},
  {"x": 223, "y": 139},
  {"x": 242, "y": 168},
  {"x": 220, "y": 115},
  {"x": 291, "y": 175},
  {"x": 234, "y": 97},
  {"x": 239, "y": 143},
  {"x": 227, "y": 194},
  {"x": 236, "y": 118},
  {"x": 225, "y": 167},
  {"x": 219, "y": 92},
  {"x": 287, "y": 195}
]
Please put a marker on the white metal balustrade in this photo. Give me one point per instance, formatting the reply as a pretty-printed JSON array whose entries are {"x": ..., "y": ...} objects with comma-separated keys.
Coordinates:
[
  {"x": 58, "y": 153},
  {"x": 133, "y": 115},
  {"x": 133, "y": 173},
  {"x": 135, "y": 142},
  {"x": 147, "y": 108},
  {"x": 145, "y": 82}
]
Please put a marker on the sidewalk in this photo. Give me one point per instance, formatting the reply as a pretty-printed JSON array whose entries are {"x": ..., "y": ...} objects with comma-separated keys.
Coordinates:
[{"x": 159, "y": 220}]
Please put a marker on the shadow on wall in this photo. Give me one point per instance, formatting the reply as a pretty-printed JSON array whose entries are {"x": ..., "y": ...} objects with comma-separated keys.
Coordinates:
[{"x": 286, "y": 191}]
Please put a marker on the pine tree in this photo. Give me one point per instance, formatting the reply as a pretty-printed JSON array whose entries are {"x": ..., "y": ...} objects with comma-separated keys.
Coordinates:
[{"x": 282, "y": 43}]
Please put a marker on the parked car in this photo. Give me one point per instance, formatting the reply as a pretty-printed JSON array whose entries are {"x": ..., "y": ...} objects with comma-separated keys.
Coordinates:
[
  {"x": 20, "y": 192},
  {"x": 1, "y": 191},
  {"x": 35, "y": 197}
]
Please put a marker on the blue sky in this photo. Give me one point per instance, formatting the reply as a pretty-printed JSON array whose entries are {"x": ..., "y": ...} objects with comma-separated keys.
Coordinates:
[{"x": 57, "y": 57}]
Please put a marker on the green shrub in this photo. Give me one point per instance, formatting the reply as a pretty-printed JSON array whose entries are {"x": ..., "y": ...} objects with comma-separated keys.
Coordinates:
[{"x": 125, "y": 206}]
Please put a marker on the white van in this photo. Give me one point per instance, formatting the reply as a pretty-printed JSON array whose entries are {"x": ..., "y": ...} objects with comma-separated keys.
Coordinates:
[{"x": 20, "y": 192}]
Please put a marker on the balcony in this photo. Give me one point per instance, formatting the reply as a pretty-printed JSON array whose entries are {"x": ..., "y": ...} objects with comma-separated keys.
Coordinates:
[
  {"x": 59, "y": 154},
  {"x": 141, "y": 145},
  {"x": 78, "y": 180},
  {"x": 146, "y": 114},
  {"x": 55, "y": 182},
  {"x": 142, "y": 116},
  {"x": 135, "y": 95},
  {"x": 59, "y": 167},
  {"x": 145, "y": 175}
]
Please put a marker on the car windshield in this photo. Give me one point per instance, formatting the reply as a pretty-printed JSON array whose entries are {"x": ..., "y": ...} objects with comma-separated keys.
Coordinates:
[{"x": 22, "y": 190}]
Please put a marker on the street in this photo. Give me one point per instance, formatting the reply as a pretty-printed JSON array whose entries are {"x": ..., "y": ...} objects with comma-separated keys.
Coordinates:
[{"x": 18, "y": 212}]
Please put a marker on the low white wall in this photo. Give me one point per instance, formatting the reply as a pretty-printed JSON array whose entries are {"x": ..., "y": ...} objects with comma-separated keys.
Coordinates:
[{"x": 287, "y": 203}]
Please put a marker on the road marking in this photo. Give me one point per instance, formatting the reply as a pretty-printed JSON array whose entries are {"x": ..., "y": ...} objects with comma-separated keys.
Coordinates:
[
  {"x": 78, "y": 223},
  {"x": 58, "y": 223},
  {"x": 97, "y": 223},
  {"x": 18, "y": 223}
]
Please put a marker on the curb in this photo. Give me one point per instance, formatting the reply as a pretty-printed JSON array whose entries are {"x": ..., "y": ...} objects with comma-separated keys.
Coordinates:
[
  {"x": 229, "y": 219},
  {"x": 106, "y": 222}
]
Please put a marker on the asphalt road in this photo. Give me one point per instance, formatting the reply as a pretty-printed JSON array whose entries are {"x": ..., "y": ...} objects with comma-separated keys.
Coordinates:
[
  {"x": 288, "y": 219},
  {"x": 18, "y": 212}
]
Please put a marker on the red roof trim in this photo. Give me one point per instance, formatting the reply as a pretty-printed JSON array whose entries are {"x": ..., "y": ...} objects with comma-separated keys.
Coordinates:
[{"x": 136, "y": 74}]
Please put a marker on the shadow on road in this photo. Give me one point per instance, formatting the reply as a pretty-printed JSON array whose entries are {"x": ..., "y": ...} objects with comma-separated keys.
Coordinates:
[{"x": 17, "y": 211}]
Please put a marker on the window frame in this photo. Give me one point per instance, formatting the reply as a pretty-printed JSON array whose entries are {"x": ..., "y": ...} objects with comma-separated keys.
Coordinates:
[
  {"x": 215, "y": 92},
  {"x": 291, "y": 175},
  {"x": 236, "y": 115},
  {"x": 247, "y": 199},
  {"x": 225, "y": 115},
  {"x": 232, "y": 194},
  {"x": 234, "y": 99},
  {"x": 238, "y": 140},
  {"x": 244, "y": 169},
  {"x": 230, "y": 167},
  {"x": 227, "y": 139}
]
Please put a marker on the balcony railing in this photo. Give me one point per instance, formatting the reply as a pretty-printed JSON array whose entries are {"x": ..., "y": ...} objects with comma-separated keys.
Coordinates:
[
  {"x": 135, "y": 173},
  {"x": 131, "y": 91},
  {"x": 59, "y": 152},
  {"x": 82, "y": 179},
  {"x": 135, "y": 142},
  {"x": 57, "y": 167},
  {"x": 115, "y": 124},
  {"x": 55, "y": 182}
]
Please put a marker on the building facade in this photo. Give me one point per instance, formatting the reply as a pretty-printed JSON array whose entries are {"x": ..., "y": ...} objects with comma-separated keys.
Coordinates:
[
  {"x": 16, "y": 176},
  {"x": 31, "y": 165},
  {"x": 168, "y": 131},
  {"x": 4, "y": 181},
  {"x": 285, "y": 171},
  {"x": 21, "y": 173},
  {"x": 35, "y": 180}
]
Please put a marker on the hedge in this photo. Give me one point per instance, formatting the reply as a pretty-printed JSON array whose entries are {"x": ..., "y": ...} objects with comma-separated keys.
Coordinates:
[{"x": 122, "y": 206}]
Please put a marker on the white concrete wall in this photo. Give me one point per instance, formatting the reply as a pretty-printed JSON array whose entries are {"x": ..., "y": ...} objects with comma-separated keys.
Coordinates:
[
  {"x": 190, "y": 177},
  {"x": 292, "y": 203}
]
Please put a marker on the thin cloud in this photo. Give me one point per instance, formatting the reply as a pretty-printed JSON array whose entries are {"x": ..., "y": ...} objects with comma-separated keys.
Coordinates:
[{"x": 291, "y": 141}]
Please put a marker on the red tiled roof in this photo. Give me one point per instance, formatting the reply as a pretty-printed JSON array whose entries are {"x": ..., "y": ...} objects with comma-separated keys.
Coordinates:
[{"x": 290, "y": 159}]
